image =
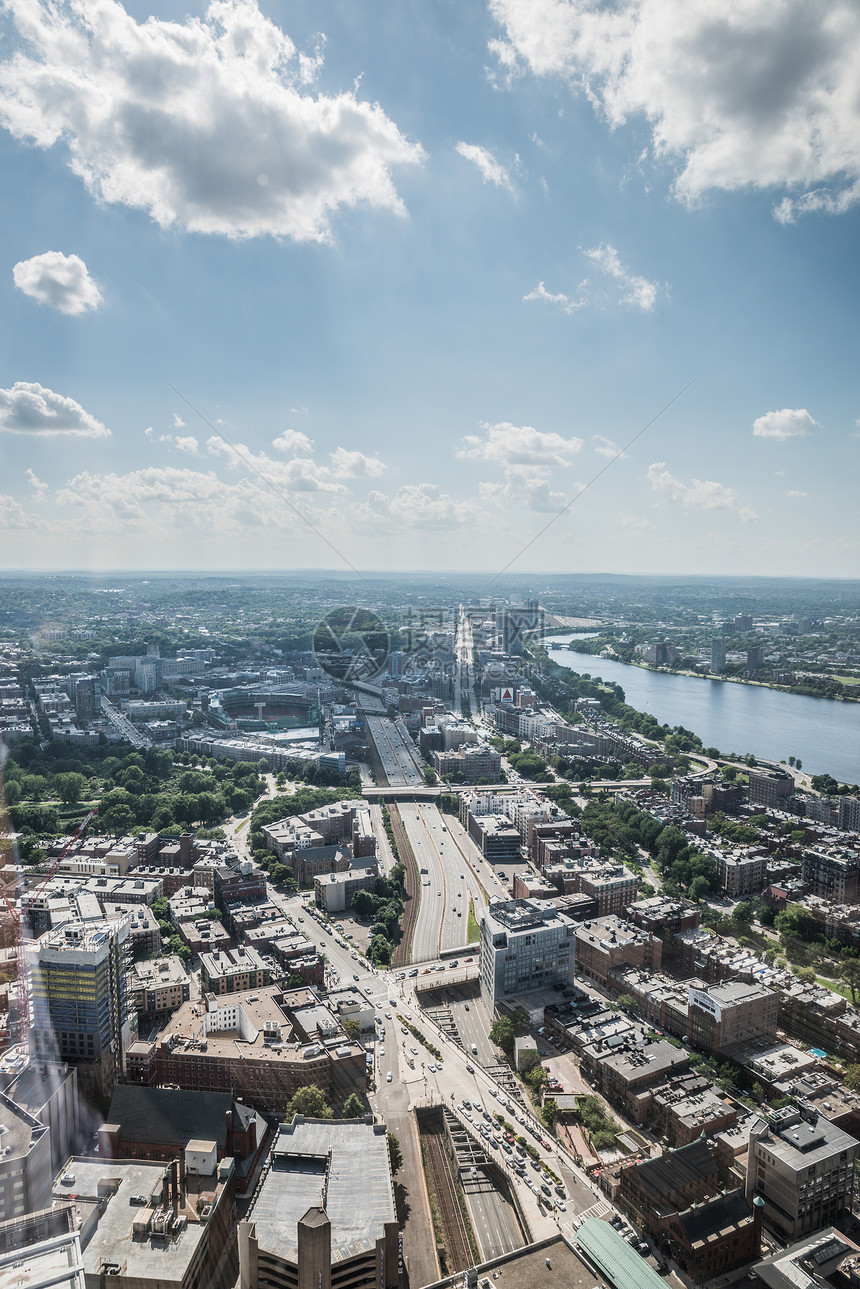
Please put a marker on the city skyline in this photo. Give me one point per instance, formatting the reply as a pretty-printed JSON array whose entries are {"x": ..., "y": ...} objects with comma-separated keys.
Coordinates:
[{"x": 421, "y": 275}]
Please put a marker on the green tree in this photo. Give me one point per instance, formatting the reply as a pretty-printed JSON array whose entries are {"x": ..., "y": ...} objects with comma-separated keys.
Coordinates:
[
  {"x": 549, "y": 1112},
  {"x": 699, "y": 888},
  {"x": 502, "y": 1033},
  {"x": 352, "y": 1029},
  {"x": 806, "y": 975},
  {"x": 311, "y": 1102},
  {"x": 850, "y": 973},
  {"x": 742, "y": 912},
  {"x": 792, "y": 922},
  {"x": 70, "y": 787},
  {"x": 117, "y": 819},
  {"x": 851, "y": 1077},
  {"x": 353, "y": 1107},
  {"x": 395, "y": 1154},
  {"x": 536, "y": 1077}
]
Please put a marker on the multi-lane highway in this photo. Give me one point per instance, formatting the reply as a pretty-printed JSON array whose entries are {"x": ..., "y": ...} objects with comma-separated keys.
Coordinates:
[
  {"x": 398, "y": 755},
  {"x": 447, "y": 883}
]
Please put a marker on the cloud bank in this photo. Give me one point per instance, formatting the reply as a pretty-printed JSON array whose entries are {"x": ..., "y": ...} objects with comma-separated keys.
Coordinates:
[
  {"x": 28, "y": 408},
  {"x": 206, "y": 124},
  {"x": 747, "y": 94}
]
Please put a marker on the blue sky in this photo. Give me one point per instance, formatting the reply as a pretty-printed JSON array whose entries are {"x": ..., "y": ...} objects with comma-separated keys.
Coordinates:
[{"x": 420, "y": 270}]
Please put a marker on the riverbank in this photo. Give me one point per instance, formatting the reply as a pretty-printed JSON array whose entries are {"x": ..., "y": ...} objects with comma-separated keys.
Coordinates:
[
  {"x": 800, "y": 690},
  {"x": 743, "y": 719}
]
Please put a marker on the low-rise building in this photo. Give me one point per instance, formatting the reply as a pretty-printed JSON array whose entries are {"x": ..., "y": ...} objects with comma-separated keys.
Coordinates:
[
  {"x": 625, "y": 1066},
  {"x": 233, "y": 971},
  {"x": 159, "y": 986},
  {"x": 728, "y": 1019},
  {"x": 605, "y": 945},
  {"x": 168, "y": 1123},
  {"x": 334, "y": 892},
  {"x": 149, "y": 1225},
  {"x": 260, "y": 1046}
]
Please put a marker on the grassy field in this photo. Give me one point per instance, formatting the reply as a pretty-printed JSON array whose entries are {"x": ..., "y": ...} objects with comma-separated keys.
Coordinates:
[{"x": 473, "y": 929}]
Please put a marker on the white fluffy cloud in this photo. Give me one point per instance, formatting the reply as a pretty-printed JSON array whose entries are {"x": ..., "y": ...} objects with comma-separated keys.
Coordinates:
[
  {"x": 299, "y": 473},
  {"x": 62, "y": 281},
  {"x": 182, "y": 442},
  {"x": 698, "y": 494},
  {"x": 424, "y": 505},
  {"x": 13, "y": 516},
  {"x": 28, "y": 408},
  {"x": 790, "y": 423},
  {"x": 206, "y": 124},
  {"x": 614, "y": 285},
  {"x": 292, "y": 442},
  {"x": 492, "y": 171},
  {"x": 526, "y": 489},
  {"x": 519, "y": 445},
  {"x": 348, "y": 464},
  {"x": 750, "y": 93}
]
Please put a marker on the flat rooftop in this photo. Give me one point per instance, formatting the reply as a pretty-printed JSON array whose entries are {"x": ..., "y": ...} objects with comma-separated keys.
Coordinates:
[
  {"x": 112, "y": 1240},
  {"x": 526, "y": 1269},
  {"x": 344, "y": 1160},
  {"x": 522, "y": 915}
]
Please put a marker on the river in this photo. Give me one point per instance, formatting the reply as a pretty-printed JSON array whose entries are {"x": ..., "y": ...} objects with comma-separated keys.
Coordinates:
[{"x": 824, "y": 734}]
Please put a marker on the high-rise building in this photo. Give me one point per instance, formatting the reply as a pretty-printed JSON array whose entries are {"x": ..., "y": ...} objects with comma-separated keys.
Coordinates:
[
  {"x": 718, "y": 655},
  {"x": 803, "y": 1168},
  {"x": 80, "y": 999},
  {"x": 755, "y": 658},
  {"x": 87, "y": 697},
  {"x": 849, "y": 814},
  {"x": 525, "y": 945}
]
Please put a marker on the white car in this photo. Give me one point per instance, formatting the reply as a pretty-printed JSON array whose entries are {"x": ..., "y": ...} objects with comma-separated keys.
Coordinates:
[{"x": 388, "y": 1077}]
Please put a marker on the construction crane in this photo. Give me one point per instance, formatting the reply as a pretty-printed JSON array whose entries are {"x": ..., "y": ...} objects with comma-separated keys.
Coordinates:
[{"x": 18, "y": 916}]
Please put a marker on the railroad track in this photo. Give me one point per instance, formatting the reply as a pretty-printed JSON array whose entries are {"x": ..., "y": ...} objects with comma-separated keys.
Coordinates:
[
  {"x": 402, "y": 953},
  {"x": 454, "y": 1231}
]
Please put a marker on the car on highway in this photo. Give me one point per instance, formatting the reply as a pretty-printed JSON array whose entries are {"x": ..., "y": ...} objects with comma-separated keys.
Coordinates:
[{"x": 354, "y": 976}]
